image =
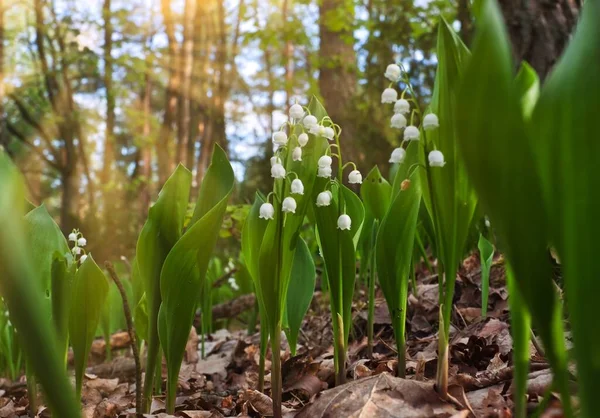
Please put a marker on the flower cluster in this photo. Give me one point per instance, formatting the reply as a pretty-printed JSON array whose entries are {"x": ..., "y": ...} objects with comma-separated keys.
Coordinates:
[
  {"x": 310, "y": 125},
  {"x": 78, "y": 243},
  {"x": 402, "y": 108}
]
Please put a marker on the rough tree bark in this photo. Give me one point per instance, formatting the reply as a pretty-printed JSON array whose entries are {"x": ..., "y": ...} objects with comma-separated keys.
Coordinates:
[{"x": 540, "y": 30}]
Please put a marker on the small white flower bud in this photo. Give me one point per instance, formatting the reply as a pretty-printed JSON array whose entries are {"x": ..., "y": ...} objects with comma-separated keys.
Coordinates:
[
  {"x": 398, "y": 121},
  {"x": 83, "y": 258},
  {"x": 81, "y": 242},
  {"x": 76, "y": 250},
  {"x": 411, "y": 133},
  {"x": 289, "y": 205},
  {"x": 233, "y": 284},
  {"x": 324, "y": 172},
  {"x": 275, "y": 160},
  {"x": 328, "y": 133},
  {"x": 73, "y": 236},
  {"x": 302, "y": 139},
  {"x": 324, "y": 198},
  {"x": 344, "y": 222},
  {"x": 267, "y": 211},
  {"x": 297, "y": 154},
  {"x": 436, "y": 159},
  {"x": 392, "y": 72},
  {"x": 277, "y": 171},
  {"x": 296, "y": 111},
  {"x": 355, "y": 177},
  {"x": 389, "y": 95},
  {"x": 309, "y": 121},
  {"x": 430, "y": 122},
  {"x": 325, "y": 161},
  {"x": 280, "y": 138},
  {"x": 402, "y": 106},
  {"x": 297, "y": 186},
  {"x": 398, "y": 156}
]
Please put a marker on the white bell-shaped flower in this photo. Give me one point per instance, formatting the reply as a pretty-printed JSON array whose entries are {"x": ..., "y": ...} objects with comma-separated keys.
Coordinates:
[
  {"x": 233, "y": 283},
  {"x": 398, "y": 156},
  {"x": 389, "y": 95},
  {"x": 73, "y": 236},
  {"x": 275, "y": 160},
  {"x": 289, "y": 205},
  {"x": 76, "y": 250},
  {"x": 325, "y": 161},
  {"x": 280, "y": 138},
  {"x": 302, "y": 139},
  {"x": 392, "y": 72},
  {"x": 81, "y": 242},
  {"x": 296, "y": 111},
  {"x": 436, "y": 159},
  {"x": 328, "y": 133},
  {"x": 398, "y": 121},
  {"x": 277, "y": 171},
  {"x": 324, "y": 172},
  {"x": 267, "y": 211},
  {"x": 316, "y": 130},
  {"x": 402, "y": 106},
  {"x": 355, "y": 177},
  {"x": 430, "y": 122},
  {"x": 344, "y": 222},
  {"x": 309, "y": 121},
  {"x": 297, "y": 186},
  {"x": 83, "y": 258},
  {"x": 324, "y": 198},
  {"x": 411, "y": 133},
  {"x": 297, "y": 154}
]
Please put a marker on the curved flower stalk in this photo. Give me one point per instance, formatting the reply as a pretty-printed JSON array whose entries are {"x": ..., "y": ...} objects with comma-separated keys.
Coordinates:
[
  {"x": 270, "y": 238},
  {"x": 339, "y": 216}
]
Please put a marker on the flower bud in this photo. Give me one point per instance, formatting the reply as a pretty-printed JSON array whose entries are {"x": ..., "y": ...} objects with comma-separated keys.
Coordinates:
[
  {"x": 309, "y": 121},
  {"x": 324, "y": 198},
  {"x": 430, "y": 122},
  {"x": 76, "y": 250},
  {"x": 324, "y": 172},
  {"x": 355, "y": 177},
  {"x": 73, "y": 236},
  {"x": 277, "y": 171},
  {"x": 275, "y": 160},
  {"x": 328, "y": 133},
  {"x": 411, "y": 133},
  {"x": 405, "y": 185},
  {"x": 302, "y": 139},
  {"x": 389, "y": 95},
  {"x": 325, "y": 161},
  {"x": 296, "y": 111},
  {"x": 289, "y": 205},
  {"x": 83, "y": 258},
  {"x": 297, "y": 154},
  {"x": 392, "y": 72},
  {"x": 81, "y": 242},
  {"x": 280, "y": 138},
  {"x": 398, "y": 121},
  {"x": 402, "y": 106},
  {"x": 398, "y": 156},
  {"x": 344, "y": 222},
  {"x": 267, "y": 211},
  {"x": 436, "y": 159},
  {"x": 297, "y": 186}
]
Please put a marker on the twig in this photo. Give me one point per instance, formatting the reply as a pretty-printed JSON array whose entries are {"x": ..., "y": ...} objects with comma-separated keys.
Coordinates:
[
  {"x": 537, "y": 344},
  {"x": 224, "y": 278},
  {"x": 132, "y": 336}
]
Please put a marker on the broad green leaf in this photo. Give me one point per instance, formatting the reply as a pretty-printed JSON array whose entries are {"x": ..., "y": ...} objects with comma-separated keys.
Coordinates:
[
  {"x": 565, "y": 132},
  {"x": 21, "y": 290},
  {"x": 527, "y": 85},
  {"x": 376, "y": 193},
  {"x": 394, "y": 249},
  {"x": 159, "y": 234},
  {"x": 185, "y": 267},
  {"x": 300, "y": 292},
  {"x": 62, "y": 275},
  {"x": 140, "y": 317},
  {"x": 486, "y": 255},
  {"x": 501, "y": 164},
  {"x": 89, "y": 292}
]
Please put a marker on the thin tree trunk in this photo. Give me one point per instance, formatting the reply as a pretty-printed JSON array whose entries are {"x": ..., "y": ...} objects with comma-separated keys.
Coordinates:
[
  {"x": 288, "y": 51},
  {"x": 109, "y": 145}
]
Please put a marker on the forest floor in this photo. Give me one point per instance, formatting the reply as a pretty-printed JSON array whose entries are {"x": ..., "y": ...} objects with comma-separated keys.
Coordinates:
[{"x": 224, "y": 382}]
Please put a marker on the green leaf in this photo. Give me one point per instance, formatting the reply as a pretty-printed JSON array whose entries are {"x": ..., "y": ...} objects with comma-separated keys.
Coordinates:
[
  {"x": 564, "y": 127},
  {"x": 90, "y": 289},
  {"x": 501, "y": 164},
  {"x": 21, "y": 291},
  {"x": 486, "y": 255},
  {"x": 301, "y": 289},
  {"x": 376, "y": 193},
  {"x": 527, "y": 85},
  {"x": 140, "y": 317},
  {"x": 185, "y": 267},
  {"x": 62, "y": 275}
]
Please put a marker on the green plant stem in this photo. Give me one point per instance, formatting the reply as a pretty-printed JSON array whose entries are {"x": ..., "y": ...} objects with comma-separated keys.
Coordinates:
[
  {"x": 276, "y": 382},
  {"x": 264, "y": 343},
  {"x": 31, "y": 390},
  {"x": 423, "y": 252},
  {"x": 151, "y": 364},
  {"x": 372, "y": 272},
  {"x": 158, "y": 374},
  {"x": 340, "y": 347},
  {"x": 442, "y": 370}
]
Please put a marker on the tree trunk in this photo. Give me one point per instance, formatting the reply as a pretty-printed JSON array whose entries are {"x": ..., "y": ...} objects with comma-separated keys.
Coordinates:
[
  {"x": 109, "y": 143},
  {"x": 540, "y": 29},
  {"x": 337, "y": 77}
]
